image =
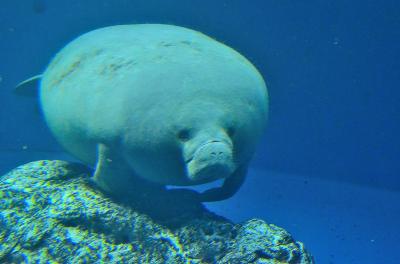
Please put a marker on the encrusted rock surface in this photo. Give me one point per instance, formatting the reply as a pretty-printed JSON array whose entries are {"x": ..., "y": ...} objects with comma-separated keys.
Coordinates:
[{"x": 50, "y": 212}]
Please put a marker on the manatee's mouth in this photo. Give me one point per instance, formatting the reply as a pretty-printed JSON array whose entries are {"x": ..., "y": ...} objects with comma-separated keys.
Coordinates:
[{"x": 212, "y": 160}]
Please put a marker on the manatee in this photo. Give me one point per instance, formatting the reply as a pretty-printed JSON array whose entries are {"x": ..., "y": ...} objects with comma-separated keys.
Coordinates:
[{"x": 155, "y": 103}]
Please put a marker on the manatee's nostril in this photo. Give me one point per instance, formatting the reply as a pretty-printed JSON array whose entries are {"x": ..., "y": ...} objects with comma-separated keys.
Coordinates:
[
  {"x": 213, "y": 152},
  {"x": 219, "y": 153}
]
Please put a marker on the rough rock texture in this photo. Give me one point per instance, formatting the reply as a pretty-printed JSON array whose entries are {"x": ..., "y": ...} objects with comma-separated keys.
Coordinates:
[{"x": 50, "y": 212}]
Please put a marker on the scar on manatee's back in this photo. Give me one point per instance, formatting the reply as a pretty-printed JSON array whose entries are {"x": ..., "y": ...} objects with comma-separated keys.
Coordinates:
[
  {"x": 76, "y": 63},
  {"x": 191, "y": 44},
  {"x": 115, "y": 64},
  {"x": 111, "y": 65}
]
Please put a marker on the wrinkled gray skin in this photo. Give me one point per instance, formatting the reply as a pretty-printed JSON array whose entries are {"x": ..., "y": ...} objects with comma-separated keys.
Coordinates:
[{"x": 156, "y": 102}]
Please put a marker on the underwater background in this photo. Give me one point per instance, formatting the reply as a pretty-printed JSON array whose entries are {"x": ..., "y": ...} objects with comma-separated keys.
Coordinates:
[{"x": 329, "y": 165}]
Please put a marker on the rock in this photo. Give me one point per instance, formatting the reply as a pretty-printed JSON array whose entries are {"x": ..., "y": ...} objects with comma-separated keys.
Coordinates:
[{"x": 50, "y": 212}]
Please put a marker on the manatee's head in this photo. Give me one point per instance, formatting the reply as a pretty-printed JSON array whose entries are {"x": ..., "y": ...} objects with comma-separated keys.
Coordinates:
[
  {"x": 208, "y": 154},
  {"x": 217, "y": 136}
]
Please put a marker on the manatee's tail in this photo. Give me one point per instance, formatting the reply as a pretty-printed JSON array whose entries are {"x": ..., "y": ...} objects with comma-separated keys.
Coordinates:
[{"x": 28, "y": 87}]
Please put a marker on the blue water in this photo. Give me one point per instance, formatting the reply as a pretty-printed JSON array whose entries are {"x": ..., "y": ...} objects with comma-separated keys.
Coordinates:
[{"x": 328, "y": 168}]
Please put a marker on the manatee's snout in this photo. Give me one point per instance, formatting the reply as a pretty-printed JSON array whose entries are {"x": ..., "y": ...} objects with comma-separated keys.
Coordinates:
[{"x": 212, "y": 160}]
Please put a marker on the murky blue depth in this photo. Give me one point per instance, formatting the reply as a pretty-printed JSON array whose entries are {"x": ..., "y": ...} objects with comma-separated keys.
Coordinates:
[{"x": 328, "y": 168}]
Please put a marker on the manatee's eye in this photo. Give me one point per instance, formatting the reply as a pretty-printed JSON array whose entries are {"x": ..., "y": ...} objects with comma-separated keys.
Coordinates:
[
  {"x": 184, "y": 134},
  {"x": 230, "y": 131}
]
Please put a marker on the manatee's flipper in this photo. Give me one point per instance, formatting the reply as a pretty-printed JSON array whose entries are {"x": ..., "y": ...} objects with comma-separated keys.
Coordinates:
[
  {"x": 230, "y": 186},
  {"x": 28, "y": 87},
  {"x": 114, "y": 176},
  {"x": 111, "y": 174}
]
